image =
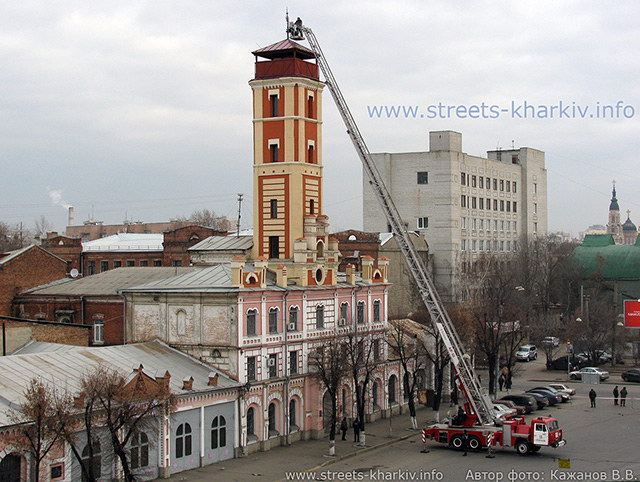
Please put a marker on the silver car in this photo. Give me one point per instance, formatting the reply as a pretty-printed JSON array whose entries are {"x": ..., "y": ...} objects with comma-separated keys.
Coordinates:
[{"x": 577, "y": 375}]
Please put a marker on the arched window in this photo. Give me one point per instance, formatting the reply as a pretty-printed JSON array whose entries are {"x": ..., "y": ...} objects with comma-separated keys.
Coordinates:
[
  {"x": 11, "y": 468},
  {"x": 218, "y": 432},
  {"x": 376, "y": 310},
  {"x": 181, "y": 320},
  {"x": 344, "y": 312},
  {"x": 319, "y": 317},
  {"x": 393, "y": 383},
  {"x": 251, "y": 322},
  {"x": 93, "y": 463},
  {"x": 374, "y": 395},
  {"x": 360, "y": 312},
  {"x": 251, "y": 422},
  {"x": 139, "y": 450},
  {"x": 272, "y": 419},
  {"x": 293, "y": 318},
  {"x": 98, "y": 330},
  {"x": 273, "y": 320},
  {"x": 183, "y": 440},
  {"x": 292, "y": 413},
  {"x": 320, "y": 250}
]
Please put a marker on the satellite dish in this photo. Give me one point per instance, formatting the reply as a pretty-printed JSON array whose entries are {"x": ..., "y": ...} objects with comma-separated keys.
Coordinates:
[{"x": 74, "y": 273}]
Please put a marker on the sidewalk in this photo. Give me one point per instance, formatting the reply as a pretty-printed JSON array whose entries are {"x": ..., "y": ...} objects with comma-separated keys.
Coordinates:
[{"x": 311, "y": 454}]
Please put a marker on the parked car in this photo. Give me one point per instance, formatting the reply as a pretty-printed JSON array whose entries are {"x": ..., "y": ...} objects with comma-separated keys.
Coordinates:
[
  {"x": 564, "y": 397},
  {"x": 541, "y": 400},
  {"x": 524, "y": 400},
  {"x": 527, "y": 353},
  {"x": 601, "y": 357},
  {"x": 577, "y": 375},
  {"x": 563, "y": 388},
  {"x": 561, "y": 363},
  {"x": 551, "y": 397},
  {"x": 504, "y": 413},
  {"x": 509, "y": 404},
  {"x": 551, "y": 341},
  {"x": 632, "y": 375}
]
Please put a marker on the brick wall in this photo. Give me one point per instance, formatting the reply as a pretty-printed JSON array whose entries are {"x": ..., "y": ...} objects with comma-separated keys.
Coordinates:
[
  {"x": 69, "y": 249},
  {"x": 32, "y": 268},
  {"x": 15, "y": 333},
  {"x": 368, "y": 244}
]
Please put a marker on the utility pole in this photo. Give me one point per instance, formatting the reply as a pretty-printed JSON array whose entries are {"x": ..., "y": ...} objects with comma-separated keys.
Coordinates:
[{"x": 239, "y": 214}]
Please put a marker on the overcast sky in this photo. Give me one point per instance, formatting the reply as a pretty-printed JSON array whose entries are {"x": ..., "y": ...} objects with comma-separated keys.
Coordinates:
[{"x": 142, "y": 108}]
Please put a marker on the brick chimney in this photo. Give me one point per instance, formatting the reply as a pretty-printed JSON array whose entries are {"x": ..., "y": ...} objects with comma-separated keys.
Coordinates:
[
  {"x": 213, "y": 379},
  {"x": 367, "y": 268},
  {"x": 350, "y": 271},
  {"x": 187, "y": 383},
  {"x": 164, "y": 381},
  {"x": 281, "y": 276}
]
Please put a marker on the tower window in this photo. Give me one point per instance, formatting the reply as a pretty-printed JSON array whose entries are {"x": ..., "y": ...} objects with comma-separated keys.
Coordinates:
[
  {"x": 310, "y": 156},
  {"x": 273, "y": 207},
  {"x": 312, "y": 206},
  {"x": 423, "y": 177},
  {"x": 274, "y": 247},
  {"x": 274, "y": 152},
  {"x": 423, "y": 223},
  {"x": 310, "y": 107},
  {"x": 273, "y": 99}
]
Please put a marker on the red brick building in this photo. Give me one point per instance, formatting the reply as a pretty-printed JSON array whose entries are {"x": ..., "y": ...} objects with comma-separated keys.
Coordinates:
[
  {"x": 16, "y": 333},
  {"x": 25, "y": 268},
  {"x": 94, "y": 300},
  {"x": 129, "y": 249}
]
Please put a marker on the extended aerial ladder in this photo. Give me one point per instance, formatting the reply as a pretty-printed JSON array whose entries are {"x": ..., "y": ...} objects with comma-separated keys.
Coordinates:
[{"x": 479, "y": 403}]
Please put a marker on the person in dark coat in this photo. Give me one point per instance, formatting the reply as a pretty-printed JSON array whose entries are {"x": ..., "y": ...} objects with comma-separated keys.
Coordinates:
[
  {"x": 615, "y": 395},
  {"x": 356, "y": 430},
  {"x": 501, "y": 382},
  {"x": 465, "y": 442},
  {"x": 508, "y": 381},
  {"x": 344, "y": 426},
  {"x": 592, "y": 397},
  {"x": 623, "y": 397},
  {"x": 454, "y": 397},
  {"x": 460, "y": 416}
]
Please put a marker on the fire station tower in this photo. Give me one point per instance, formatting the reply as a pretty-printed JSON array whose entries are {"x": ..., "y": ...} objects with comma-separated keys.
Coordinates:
[{"x": 288, "y": 221}]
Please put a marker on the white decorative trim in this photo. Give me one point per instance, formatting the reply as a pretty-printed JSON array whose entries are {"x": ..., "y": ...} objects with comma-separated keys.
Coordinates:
[
  {"x": 275, "y": 92},
  {"x": 273, "y": 142}
]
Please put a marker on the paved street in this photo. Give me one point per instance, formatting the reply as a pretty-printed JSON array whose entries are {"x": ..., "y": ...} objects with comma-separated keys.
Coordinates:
[{"x": 599, "y": 441}]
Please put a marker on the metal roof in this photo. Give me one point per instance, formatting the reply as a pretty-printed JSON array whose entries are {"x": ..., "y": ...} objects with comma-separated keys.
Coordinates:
[
  {"x": 224, "y": 243},
  {"x": 108, "y": 282},
  {"x": 213, "y": 278},
  {"x": 33, "y": 346},
  {"x": 126, "y": 242},
  {"x": 284, "y": 48},
  {"x": 64, "y": 369},
  {"x": 9, "y": 255}
]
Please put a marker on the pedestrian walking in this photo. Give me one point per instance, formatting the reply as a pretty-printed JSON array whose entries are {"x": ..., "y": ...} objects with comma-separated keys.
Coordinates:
[
  {"x": 508, "y": 382},
  {"x": 615, "y": 395},
  {"x": 454, "y": 397},
  {"x": 356, "y": 430},
  {"x": 592, "y": 397},
  {"x": 344, "y": 426},
  {"x": 465, "y": 442},
  {"x": 623, "y": 397},
  {"x": 501, "y": 382}
]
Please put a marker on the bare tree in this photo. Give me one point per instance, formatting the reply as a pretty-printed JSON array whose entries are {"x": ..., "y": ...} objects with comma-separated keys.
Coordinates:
[
  {"x": 329, "y": 364},
  {"x": 37, "y": 428},
  {"x": 42, "y": 226},
  {"x": 12, "y": 237},
  {"x": 407, "y": 342},
  {"x": 362, "y": 361},
  {"x": 209, "y": 218}
]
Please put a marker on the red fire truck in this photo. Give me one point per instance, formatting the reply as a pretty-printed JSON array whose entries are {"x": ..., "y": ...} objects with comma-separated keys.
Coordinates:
[{"x": 480, "y": 421}]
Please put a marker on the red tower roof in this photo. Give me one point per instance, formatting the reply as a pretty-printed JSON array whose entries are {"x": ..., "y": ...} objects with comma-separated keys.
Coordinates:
[
  {"x": 284, "y": 49},
  {"x": 285, "y": 59}
]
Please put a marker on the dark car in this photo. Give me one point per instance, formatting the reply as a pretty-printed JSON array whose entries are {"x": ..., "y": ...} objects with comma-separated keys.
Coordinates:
[
  {"x": 509, "y": 404},
  {"x": 541, "y": 400},
  {"x": 561, "y": 363},
  {"x": 632, "y": 375},
  {"x": 564, "y": 397},
  {"x": 524, "y": 400},
  {"x": 552, "y": 397}
]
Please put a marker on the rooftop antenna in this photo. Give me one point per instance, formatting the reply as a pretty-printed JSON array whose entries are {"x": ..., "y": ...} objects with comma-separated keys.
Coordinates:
[
  {"x": 513, "y": 144},
  {"x": 498, "y": 148},
  {"x": 239, "y": 213},
  {"x": 287, "y": 20}
]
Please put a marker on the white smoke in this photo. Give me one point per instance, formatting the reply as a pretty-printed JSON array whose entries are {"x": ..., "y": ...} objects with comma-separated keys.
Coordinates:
[{"x": 56, "y": 198}]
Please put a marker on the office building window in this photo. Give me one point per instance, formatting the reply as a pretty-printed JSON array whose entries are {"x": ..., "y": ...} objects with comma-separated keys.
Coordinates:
[
  {"x": 293, "y": 362},
  {"x": 423, "y": 223},
  {"x": 251, "y": 322},
  {"x": 91, "y": 267},
  {"x": 515, "y": 207},
  {"x": 463, "y": 201},
  {"x": 488, "y": 204},
  {"x": 319, "y": 317},
  {"x": 501, "y": 205},
  {"x": 344, "y": 312},
  {"x": 423, "y": 178},
  {"x": 463, "y": 245},
  {"x": 474, "y": 203},
  {"x": 508, "y": 186},
  {"x": 273, "y": 365},
  {"x": 251, "y": 368},
  {"x": 157, "y": 262},
  {"x": 515, "y": 226},
  {"x": 495, "y": 184},
  {"x": 376, "y": 311},
  {"x": 463, "y": 179},
  {"x": 131, "y": 263},
  {"x": 273, "y": 99},
  {"x": 482, "y": 245},
  {"x": 104, "y": 266},
  {"x": 481, "y": 182},
  {"x": 360, "y": 312},
  {"x": 501, "y": 184},
  {"x": 508, "y": 206},
  {"x": 474, "y": 245},
  {"x": 495, "y": 204},
  {"x": 273, "y": 320},
  {"x": 98, "y": 330},
  {"x": 117, "y": 264},
  {"x": 473, "y": 181},
  {"x": 293, "y": 318},
  {"x": 176, "y": 263},
  {"x": 144, "y": 262},
  {"x": 535, "y": 228},
  {"x": 474, "y": 224},
  {"x": 535, "y": 208},
  {"x": 376, "y": 350},
  {"x": 535, "y": 188},
  {"x": 481, "y": 202}
]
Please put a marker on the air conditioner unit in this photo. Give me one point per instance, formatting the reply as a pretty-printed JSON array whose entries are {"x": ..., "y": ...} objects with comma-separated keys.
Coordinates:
[
  {"x": 342, "y": 321},
  {"x": 292, "y": 327},
  {"x": 271, "y": 362}
]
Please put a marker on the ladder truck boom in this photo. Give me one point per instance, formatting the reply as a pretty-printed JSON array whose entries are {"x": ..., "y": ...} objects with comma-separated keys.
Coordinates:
[{"x": 479, "y": 403}]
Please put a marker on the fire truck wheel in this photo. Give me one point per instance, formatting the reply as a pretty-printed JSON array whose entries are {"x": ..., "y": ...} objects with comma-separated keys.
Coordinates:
[
  {"x": 456, "y": 442},
  {"x": 522, "y": 447},
  {"x": 474, "y": 443}
]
